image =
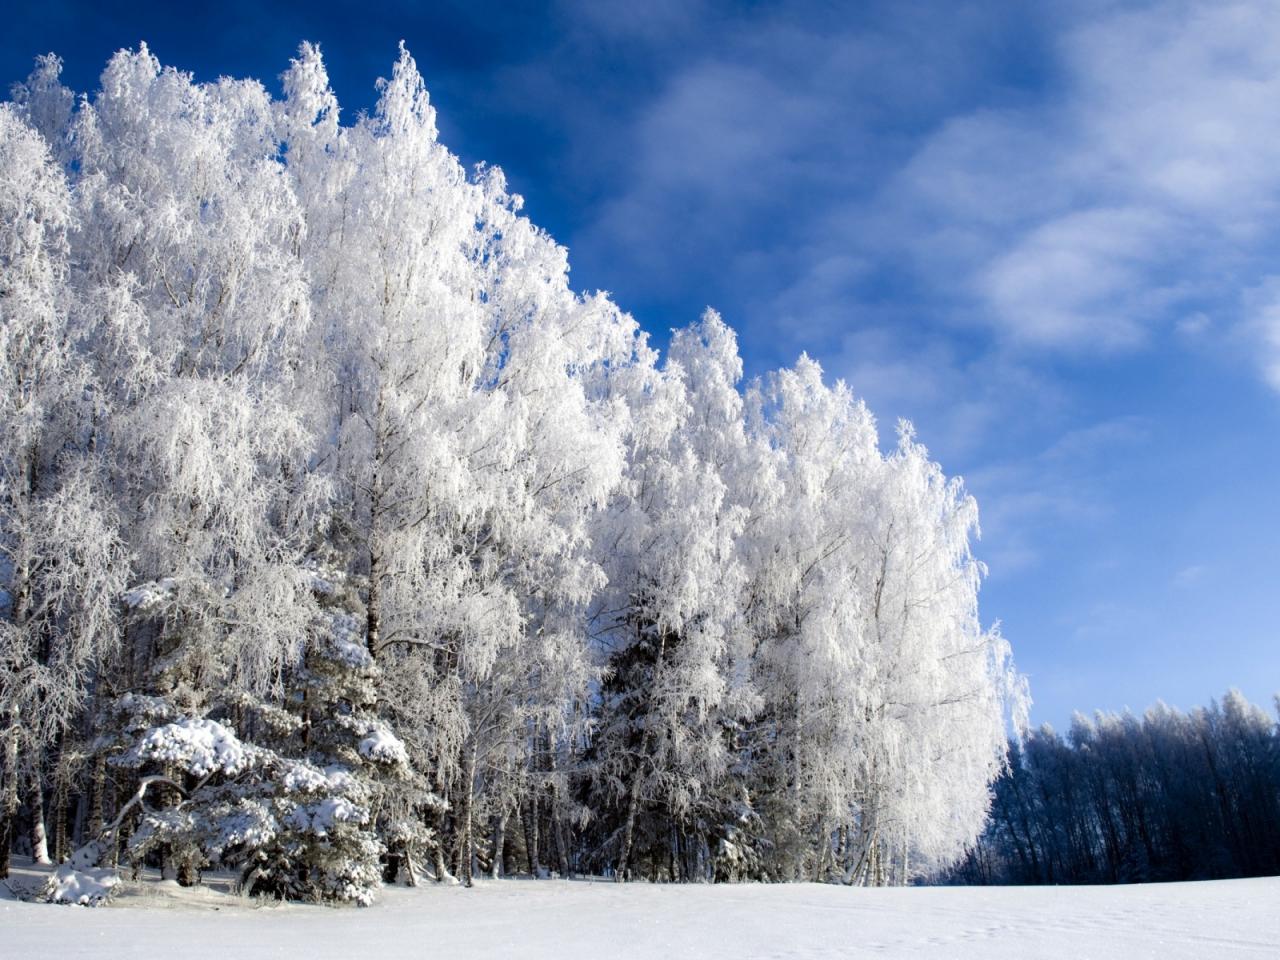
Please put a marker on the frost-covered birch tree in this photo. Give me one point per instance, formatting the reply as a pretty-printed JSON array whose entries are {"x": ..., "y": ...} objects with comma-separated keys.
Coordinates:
[
  {"x": 61, "y": 561},
  {"x": 673, "y": 603}
]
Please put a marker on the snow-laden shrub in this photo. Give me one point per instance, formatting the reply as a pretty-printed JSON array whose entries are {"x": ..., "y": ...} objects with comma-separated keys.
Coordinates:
[
  {"x": 81, "y": 881},
  {"x": 290, "y": 810},
  {"x": 291, "y": 829}
]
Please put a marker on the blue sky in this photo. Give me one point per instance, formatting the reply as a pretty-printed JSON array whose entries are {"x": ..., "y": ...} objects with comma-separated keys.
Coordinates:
[{"x": 1047, "y": 233}]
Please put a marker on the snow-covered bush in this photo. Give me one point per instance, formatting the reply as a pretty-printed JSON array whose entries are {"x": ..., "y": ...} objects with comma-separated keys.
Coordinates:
[
  {"x": 81, "y": 880},
  {"x": 290, "y": 809}
]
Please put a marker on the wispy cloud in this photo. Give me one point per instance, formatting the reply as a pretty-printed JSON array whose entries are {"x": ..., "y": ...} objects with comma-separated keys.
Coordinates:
[
  {"x": 1188, "y": 576},
  {"x": 1064, "y": 486},
  {"x": 1262, "y": 325},
  {"x": 1141, "y": 189},
  {"x": 1126, "y": 180}
]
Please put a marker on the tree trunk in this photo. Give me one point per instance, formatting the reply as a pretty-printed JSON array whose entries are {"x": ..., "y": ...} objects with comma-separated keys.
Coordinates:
[
  {"x": 442, "y": 820},
  {"x": 824, "y": 852},
  {"x": 119, "y": 834},
  {"x": 629, "y": 829},
  {"x": 373, "y": 610},
  {"x": 61, "y": 811},
  {"x": 8, "y": 796},
  {"x": 188, "y": 875},
  {"x": 674, "y": 853},
  {"x": 168, "y": 797},
  {"x": 561, "y": 842},
  {"x": 467, "y": 856},
  {"x": 77, "y": 833},
  {"x": 97, "y": 794},
  {"x": 35, "y": 801},
  {"x": 497, "y": 866},
  {"x": 531, "y": 835},
  {"x": 441, "y": 870},
  {"x": 858, "y": 872},
  {"x": 410, "y": 868}
]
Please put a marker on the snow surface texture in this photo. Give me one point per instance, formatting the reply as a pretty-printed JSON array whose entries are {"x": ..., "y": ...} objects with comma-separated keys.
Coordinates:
[{"x": 559, "y": 919}]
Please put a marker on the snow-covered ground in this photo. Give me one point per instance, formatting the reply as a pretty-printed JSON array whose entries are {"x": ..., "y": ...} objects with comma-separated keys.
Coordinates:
[{"x": 566, "y": 919}]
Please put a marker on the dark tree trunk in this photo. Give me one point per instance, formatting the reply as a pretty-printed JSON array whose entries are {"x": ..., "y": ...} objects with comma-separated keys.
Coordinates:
[
  {"x": 497, "y": 864},
  {"x": 97, "y": 794},
  {"x": 562, "y": 843},
  {"x": 8, "y": 797},
  {"x": 531, "y": 835},
  {"x": 629, "y": 829},
  {"x": 61, "y": 812}
]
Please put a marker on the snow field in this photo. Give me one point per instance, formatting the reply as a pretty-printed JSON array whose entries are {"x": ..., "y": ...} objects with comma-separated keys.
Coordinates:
[{"x": 567, "y": 919}]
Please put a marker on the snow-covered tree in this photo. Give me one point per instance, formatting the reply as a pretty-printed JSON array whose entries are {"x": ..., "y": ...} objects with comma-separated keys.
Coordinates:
[
  {"x": 60, "y": 558},
  {"x": 805, "y": 611},
  {"x": 191, "y": 262},
  {"x": 674, "y": 601},
  {"x": 885, "y": 703},
  {"x": 939, "y": 691}
]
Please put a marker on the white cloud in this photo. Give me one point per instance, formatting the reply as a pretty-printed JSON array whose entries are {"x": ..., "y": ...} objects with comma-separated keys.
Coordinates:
[
  {"x": 1195, "y": 324},
  {"x": 1145, "y": 184},
  {"x": 1262, "y": 324},
  {"x": 1077, "y": 279},
  {"x": 1188, "y": 576},
  {"x": 1096, "y": 440},
  {"x": 1129, "y": 182},
  {"x": 955, "y": 396},
  {"x": 1177, "y": 100}
]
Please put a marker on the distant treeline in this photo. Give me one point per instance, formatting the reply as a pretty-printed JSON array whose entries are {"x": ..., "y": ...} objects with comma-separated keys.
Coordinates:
[{"x": 1170, "y": 796}]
